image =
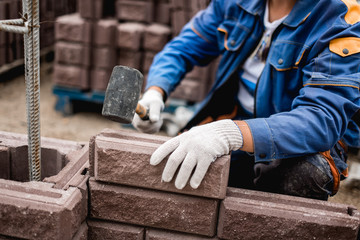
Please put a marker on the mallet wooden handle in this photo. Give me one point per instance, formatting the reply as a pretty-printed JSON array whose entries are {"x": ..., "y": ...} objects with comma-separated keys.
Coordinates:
[{"x": 142, "y": 111}]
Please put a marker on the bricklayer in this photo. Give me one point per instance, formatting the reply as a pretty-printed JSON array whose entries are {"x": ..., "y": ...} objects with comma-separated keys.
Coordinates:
[
  {"x": 153, "y": 209},
  {"x": 123, "y": 161},
  {"x": 246, "y": 214}
]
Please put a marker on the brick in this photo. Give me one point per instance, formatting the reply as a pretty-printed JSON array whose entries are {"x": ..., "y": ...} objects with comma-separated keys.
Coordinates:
[
  {"x": 96, "y": 9},
  {"x": 73, "y": 28},
  {"x": 156, "y": 36},
  {"x": 72, "y": 53},
  {"x": 122, "y": 161},
  {"x": 246, "y": 214},
  {"x": 2, "y": 55},
  {"x": 34, "y": 210},
  {"x": 147, "y": 60},
  {"x": 130, "y": 58},
  {"x": 153, "y": 234},
  {"x": 178, "y": 20},
  {"x": 82, "y": 233},
  {"x": 180, "y": 4},
  {"x": 99, "y": 79},
  {"x": 162, "y": 12},
  {"x": 114, "y": 231},
  {"x": 4, "y": 162},
  {"x": 153, "y": 209},
  {"x": 104, "y": 57},
  {"x": 138, "y": 11},
  {"x": 190, "y": 90},
  {"x": 105, "y": 32},
  {"x": 130, "y": 35},
  {"x": 71, "y": 76}
]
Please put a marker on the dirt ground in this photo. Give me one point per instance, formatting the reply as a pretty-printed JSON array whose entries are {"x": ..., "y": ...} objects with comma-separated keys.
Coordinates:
[{"x": 80, "y": 126}]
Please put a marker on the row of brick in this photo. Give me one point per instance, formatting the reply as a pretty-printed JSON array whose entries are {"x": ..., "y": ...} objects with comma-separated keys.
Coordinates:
[{"x": 128, "y": 197}]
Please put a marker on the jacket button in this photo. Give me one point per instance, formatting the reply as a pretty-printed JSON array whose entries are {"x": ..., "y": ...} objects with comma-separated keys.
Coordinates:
[
  {"x": 280, "y": 61},
  {"x": 232, "y": 42},
  {"x": 345, "y": 51},
  {"x": 262, "y": 155}
]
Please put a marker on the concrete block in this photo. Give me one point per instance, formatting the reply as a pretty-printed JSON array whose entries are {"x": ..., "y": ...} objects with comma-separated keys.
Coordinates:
[
  {"x": 35, "y": 210},
  {"x": 156, "y": 36},
  {"x": 162, "y": 12},
  {"x": 99, "y": 79},
  {"x": 72, "y": 53},
  {"x": 178, "y": 20},
  {"x": 199, "y": 73},
  {"x": 96, "y": 9},
  {"x": 73, "y": 28},
  {"x": 82, "y": 233},
  {"x": 130, "y": 58},
  {"x": 130, "y": 35},
  {"x": 153, "y": 234},
  {"x": 181, "y": 4},
  {"x": 71, "y": 76},
  {"x": 122, "y": 161},
  {"x": 147, "y": 60},
  {"x": 4, "y": 162},
  {"x": 138, "y": 11},
  {"x": 153, "y": 209},
  {"x": 114, "y": 231},
  {"x": 105, "y": 32},
  {"x": 190, "y": 90},
  {"x": 246, "y": 214},
  {"x": 104, "y": 57},
  {"x": 2, "y": 55}
]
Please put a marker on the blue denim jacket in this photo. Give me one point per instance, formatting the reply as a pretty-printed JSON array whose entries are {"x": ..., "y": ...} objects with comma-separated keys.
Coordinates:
[{"x": 309, "y": 89}]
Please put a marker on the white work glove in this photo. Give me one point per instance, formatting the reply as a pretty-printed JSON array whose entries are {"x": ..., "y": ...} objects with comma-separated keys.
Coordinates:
[
  {"x": 199, "y": 147},
  {"x": 153, "y": 100}
]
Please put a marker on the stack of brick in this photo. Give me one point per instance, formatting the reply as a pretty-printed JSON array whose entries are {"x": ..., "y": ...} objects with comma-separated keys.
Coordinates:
[
  {"x": 56, "y": 207},
  {"x": 130, "y": 33},
  {"x": 128, "y": 198},
  {"x": 129, "y": 201},
  {"x": 11, "y": 44}
]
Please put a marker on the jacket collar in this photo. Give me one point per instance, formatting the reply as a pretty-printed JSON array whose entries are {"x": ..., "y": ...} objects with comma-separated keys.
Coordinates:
[{"x": 299, "y": 13}]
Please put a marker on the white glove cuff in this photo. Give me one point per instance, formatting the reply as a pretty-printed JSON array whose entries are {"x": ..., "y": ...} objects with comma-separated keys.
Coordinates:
[
  {"x": 229, "y": 131},
  {"x": 153, "y": 94}
]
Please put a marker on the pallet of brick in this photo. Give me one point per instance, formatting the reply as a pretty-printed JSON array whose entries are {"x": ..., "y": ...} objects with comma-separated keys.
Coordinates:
[
  {"x": 55, "y": 208},
  {"x": 246, "y": 214},
  {"x": 104, "y": 53},
  {"x": 72, "y": 63},
  {"x": 129, "y": 39}
]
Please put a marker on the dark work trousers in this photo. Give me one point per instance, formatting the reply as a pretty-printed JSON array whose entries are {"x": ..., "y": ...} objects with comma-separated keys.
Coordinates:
[{"x": 309, "y": 176}]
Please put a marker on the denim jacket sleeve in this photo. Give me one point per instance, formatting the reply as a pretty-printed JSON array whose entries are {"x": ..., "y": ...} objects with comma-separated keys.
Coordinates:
[
  {"x": 196, "y": 45},
  {"x": 321, "y": 112}
]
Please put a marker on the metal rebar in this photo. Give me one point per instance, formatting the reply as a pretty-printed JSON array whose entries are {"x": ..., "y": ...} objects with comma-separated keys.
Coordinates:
[{"x": 32, "y": 78}]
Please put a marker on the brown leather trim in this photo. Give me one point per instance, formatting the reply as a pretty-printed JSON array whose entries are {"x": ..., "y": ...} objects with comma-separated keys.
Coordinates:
[{"x": 334, "y": 171}]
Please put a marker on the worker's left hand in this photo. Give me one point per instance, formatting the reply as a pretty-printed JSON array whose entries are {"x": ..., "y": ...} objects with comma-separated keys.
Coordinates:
[{"x": 198, "y": 147}]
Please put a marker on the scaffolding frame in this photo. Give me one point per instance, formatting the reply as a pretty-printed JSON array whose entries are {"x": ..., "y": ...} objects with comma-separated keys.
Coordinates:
[{"x": 29, "y": 26}]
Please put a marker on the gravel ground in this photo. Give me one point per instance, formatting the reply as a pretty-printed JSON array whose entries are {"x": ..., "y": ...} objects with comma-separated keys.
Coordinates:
[{"x": 80, "y": 126}]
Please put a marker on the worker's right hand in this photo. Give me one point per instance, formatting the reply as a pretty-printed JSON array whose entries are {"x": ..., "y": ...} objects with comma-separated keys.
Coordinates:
[{"x": 153, "y": 100}]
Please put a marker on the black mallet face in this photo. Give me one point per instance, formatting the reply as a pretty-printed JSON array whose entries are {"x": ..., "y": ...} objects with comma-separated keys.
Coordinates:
[{"x": 122, "y": 94}]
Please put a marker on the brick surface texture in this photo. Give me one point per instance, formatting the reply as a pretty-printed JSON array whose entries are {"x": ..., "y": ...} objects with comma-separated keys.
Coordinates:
[
  {"x": 248, "y": 214},
  {"x": 114, "y": 231},
  {"x": 123, "y": 161},
  {"x": 154, "y": 209}
]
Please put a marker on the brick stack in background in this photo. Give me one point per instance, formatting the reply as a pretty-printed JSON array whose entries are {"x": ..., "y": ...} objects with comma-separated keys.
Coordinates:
[
  {"x": 127, "y": 196},
  {"x": 130, "y": 33},
  {"x": 12, "y": 45}
]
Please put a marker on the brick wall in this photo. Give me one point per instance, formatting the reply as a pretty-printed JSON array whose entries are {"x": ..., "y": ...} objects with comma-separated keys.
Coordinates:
[
  {"x": 129, "y": 201},
  {"x": 126, "y": 33}
]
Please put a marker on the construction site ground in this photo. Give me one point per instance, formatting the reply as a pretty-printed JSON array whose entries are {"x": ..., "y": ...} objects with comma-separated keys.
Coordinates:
[{"x": 79, "y": 126}]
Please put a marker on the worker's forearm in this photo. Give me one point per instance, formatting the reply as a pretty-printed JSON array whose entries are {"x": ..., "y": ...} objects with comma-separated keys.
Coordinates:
[{"x": 248, "y": 145}]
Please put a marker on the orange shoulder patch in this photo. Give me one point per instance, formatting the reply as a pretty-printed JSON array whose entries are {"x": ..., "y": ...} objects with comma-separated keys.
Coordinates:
[
  {"x": 353, "y": 14},
  {"x": 345, "y": 46}
]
